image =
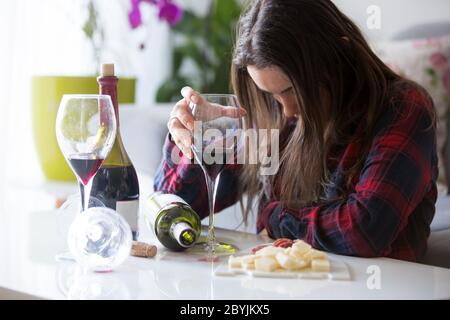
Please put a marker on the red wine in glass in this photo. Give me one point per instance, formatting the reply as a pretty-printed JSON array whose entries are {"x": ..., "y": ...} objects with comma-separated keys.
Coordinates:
[
  {"x": 214, "y": 169},
  {"x": 85, "y": 166}
]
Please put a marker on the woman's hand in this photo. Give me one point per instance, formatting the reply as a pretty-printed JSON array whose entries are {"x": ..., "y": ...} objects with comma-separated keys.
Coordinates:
[{"x": 181, "y": 122}]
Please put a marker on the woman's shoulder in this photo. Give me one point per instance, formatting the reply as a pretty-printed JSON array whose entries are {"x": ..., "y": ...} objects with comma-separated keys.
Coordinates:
[
  {"x": 408, "y": 107},
  {"x": 405, "y": 103},
  {"x": 407, "y": 97}
]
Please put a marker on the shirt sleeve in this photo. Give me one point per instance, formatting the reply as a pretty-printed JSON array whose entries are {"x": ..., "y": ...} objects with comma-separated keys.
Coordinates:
[
  {"x": 179, "y": 175},
  {"x": 399, "y": 171}
]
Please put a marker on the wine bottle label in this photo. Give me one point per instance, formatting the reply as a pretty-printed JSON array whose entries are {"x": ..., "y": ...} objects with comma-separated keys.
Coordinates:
[
  {"x": 157, "y": 201},
  {"x": 129, "y": 210}
]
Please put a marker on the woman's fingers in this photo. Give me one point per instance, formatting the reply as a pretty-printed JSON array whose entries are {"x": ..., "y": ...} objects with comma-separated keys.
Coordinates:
[
  {"x": 181, "y": 136},
  {"x": 205, "y": 108},
  {"x": 190, "y": 95},
  {"x": 181, "y": 122},
  {"x": 183, "y": 113},
  {"x": 233, "y": 112}
]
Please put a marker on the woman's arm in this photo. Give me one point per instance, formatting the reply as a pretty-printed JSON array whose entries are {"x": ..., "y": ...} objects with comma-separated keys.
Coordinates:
[
  {"x": 399, "y": 172},
  {"x": 187, "y": 181}
]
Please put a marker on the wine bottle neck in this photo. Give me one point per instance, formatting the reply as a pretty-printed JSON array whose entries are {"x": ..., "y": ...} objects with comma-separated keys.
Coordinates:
[
  {"x": 184, "y": 234},
  {"x": 108, "y": 86},
  {"x": 118, "y": 155}
]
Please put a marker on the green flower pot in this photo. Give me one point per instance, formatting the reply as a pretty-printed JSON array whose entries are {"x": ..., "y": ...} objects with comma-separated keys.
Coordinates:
[{"x": 47, "y": 92}]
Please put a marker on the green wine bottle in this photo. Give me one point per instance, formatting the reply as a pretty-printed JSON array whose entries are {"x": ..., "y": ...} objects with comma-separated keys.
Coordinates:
[{"x": 176, "y": 225}]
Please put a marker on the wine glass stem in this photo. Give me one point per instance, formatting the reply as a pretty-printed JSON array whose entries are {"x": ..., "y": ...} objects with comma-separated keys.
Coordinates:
[
  {"x": 85, "y": 191},
  {"x": 211, "y": 185}
]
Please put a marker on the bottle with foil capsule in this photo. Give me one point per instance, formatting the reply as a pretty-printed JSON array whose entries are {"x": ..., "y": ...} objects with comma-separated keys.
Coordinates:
[
  {"x": 116, "y": 183},
  {"x": 176, "y": 225}
]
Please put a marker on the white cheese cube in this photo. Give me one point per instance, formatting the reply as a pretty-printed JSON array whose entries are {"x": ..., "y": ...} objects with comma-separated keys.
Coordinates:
[
  {"x": 314, "y": 254},
  {"x": 300, "y": 248},
  {"x": 296, "y": 252},
  {"x": 290, "y": 263},
  {"x": 248, "y": 266},
  {"x": 269, "y": 251},
  {"x": 248, "y": 262},
  {"x": 248, "y": 259},
  {"x": 234, "y": 262},
  {"x": 266, "y": 264}
]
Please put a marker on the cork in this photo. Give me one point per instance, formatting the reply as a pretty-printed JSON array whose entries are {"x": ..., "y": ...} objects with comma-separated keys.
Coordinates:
[
  {"x": 142, "y": 249},
  {"x": 107, "y": 70}
]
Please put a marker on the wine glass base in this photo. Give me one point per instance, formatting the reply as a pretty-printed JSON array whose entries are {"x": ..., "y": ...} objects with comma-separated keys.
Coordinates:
[
  {"x": 203, "y": 249},
  {"x": 221, "y": 248}
]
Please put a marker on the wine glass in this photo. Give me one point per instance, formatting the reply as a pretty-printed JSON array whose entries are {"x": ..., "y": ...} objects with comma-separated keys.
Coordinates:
[
  {"x": 85, "y": 130},
  {"x": 66, "y": 215},
  {"x": 215, "y": 145}
]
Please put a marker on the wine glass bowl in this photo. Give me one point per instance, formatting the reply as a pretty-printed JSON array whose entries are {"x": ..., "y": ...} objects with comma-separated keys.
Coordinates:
[
  {"x": 217, "y": 141},
  {"x": 85, "y": 131}
]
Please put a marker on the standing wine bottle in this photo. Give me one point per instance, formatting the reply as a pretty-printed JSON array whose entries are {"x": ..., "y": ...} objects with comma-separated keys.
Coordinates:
[
  {"x": 176, "y": 225},
  {"x": 116, "y": 183}
]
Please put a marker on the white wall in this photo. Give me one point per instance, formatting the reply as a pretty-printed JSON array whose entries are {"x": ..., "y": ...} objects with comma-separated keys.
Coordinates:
[{"x": 396, "y": 15}]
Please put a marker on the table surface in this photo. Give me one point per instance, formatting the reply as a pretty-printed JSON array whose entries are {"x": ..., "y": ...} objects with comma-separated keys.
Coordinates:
[{"x": 30, "y": 238}]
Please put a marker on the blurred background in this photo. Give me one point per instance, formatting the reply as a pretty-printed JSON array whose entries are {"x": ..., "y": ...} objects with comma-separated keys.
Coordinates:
[{"x": 50, "y": 47}]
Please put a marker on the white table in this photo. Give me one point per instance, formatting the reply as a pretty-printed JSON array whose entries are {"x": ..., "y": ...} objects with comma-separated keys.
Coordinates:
[{"x": 29, "y": 241}]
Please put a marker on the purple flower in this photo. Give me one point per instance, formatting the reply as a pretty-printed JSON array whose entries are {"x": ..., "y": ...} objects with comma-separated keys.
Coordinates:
[
  {"x": 134, "y": 16},
  {"x": 170, "y": 12}
]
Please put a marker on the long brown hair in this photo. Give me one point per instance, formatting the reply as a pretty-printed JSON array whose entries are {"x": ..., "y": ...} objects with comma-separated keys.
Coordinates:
[{"x": 338, "y": 81}]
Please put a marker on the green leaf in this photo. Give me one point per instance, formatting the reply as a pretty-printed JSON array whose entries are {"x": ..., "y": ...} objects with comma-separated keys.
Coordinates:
[
  {"x": 430, "y": 72},
  {"x": 225, "y": 12},
  {"x": 189, "y": 25},
  {"x": 169, "y": 91},
  {"x": 193, "y": 51},
  {"x": 90, "y": 26},
  {"x": 177, "y": 61}
]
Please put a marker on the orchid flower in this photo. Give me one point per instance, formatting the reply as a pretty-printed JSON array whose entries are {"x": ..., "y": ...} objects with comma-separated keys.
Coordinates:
[{"x": 168, "y": 11}]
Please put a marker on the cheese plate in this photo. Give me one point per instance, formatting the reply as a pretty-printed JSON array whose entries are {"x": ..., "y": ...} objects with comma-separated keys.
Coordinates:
[{"x": 284, "y": 259}]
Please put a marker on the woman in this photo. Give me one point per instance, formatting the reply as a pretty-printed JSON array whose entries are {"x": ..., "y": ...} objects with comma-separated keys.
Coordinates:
[{"x": 358, "y": 161}]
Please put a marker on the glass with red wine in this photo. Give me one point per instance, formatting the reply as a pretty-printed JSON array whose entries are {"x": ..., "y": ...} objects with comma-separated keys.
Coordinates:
[
  {"x": 216, "y": 146},
  {"x": 85, "y": 130}
]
